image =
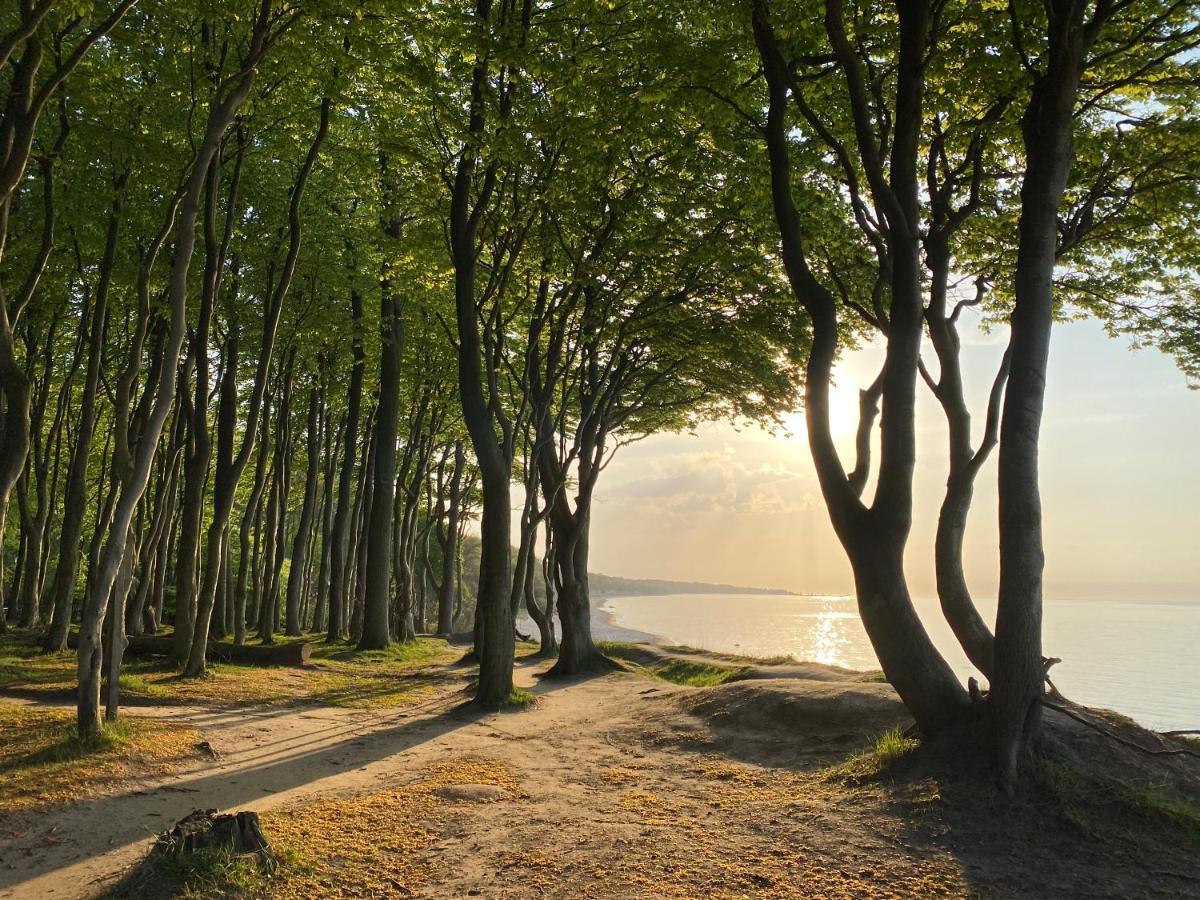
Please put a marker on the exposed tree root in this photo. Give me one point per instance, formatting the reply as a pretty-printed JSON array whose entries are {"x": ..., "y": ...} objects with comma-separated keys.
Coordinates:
[{"x": 1096, "y": 726}]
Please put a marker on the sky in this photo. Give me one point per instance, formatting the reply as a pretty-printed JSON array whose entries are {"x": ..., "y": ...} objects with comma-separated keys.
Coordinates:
[{"x": 1120, "y": 491}]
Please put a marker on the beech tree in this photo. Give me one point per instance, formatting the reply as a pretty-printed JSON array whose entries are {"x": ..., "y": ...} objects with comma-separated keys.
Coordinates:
[{"x": 292, "y": 295}]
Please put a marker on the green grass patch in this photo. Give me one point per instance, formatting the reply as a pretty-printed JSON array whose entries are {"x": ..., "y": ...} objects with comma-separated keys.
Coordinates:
[
  {"x": 210, "y": 872},
  {"x": 43, "y": 760},
  {"x": 519, "y": 698},
  {"x": 678, "y": 670},
  {"x": 619, "y": 648},
  {"x": 695, "y": 674},
  {"x": 23, "y": 664},
  {"x": 337, "y": 675},
  {"x": 207, "y": 873},
  {"x": 742, "y": 658},
  {"x": 889, "y": 747},
  {"x": 1087, "y": 802},
  {"x": 1160, "y": 800}
]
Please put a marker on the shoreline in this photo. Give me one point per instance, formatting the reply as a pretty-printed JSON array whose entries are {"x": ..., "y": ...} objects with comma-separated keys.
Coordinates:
[{"x": 1159, "y": 698}]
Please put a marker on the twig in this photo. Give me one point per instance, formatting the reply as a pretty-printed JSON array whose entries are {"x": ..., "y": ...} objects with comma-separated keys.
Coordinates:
[
  {"x": 1176, "y": 751},
  {"x": 1182, "y": 876}
]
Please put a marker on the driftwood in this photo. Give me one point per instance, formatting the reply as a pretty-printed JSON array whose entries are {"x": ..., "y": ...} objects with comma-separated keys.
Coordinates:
[
  {"x": 238, "y": 834},
  {"x": 253, "y": 654}
]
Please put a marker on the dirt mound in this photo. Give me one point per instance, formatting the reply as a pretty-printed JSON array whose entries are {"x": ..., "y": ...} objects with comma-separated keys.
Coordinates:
[
  {"x": 743, "y": 668},
  {"x": 788, "y": 721},
  {"x": 1090, "y": 809}
]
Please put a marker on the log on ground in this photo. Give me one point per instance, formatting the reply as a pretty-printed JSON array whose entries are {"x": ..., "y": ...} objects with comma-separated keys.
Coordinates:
[{"x": 291, "y": 654}]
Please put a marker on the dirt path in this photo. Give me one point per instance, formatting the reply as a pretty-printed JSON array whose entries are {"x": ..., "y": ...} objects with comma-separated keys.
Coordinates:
[
  {"x": 593, "y": 757},
  {"x": 622, "y": 787}
]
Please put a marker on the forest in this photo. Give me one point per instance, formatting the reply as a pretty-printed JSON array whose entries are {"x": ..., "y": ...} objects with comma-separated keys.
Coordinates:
[{"x": 321, "y": 320}]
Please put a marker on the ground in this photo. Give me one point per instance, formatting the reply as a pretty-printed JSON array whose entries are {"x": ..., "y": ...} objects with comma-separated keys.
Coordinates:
[{"x": 619, "y": 785}]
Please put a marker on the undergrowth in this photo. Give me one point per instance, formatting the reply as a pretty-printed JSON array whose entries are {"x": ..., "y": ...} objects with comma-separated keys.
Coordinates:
[
  {"x": 337, "y": 675},
  {"x": 43, "y": 760},
  {"x": 1095, "y": 806},
  {"x": 519, "y": 698},
  {"x": 889, "y": 747},
  {"x": 693, "y": 673}
]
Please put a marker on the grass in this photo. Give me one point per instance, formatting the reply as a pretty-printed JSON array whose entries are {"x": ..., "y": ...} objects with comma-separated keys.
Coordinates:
[
  {"x": 210, "y": 872},
  {"x": 777, "y": 660},
  {"x": 44, "y": 762},
  {"x": 695, "y": 674},
  {"x": 889, "y": 747},
  {"x": 1159, "y": 800},
  {"x": 337, "y": 675},
  {"x": 368, "y": 845},
  {"x": 1088, "y": 802},
  {"x": 692, "y": 673},
  {"x": 207, "y": 873},
  {"x": 519, "y": 698}
]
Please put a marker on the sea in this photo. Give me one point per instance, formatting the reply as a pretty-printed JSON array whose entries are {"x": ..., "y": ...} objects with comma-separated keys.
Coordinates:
[{"x": 1139, "y": 658}]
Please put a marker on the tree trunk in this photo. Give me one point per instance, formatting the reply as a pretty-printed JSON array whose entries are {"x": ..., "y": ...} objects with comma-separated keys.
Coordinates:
[
  {"x": 137, "y": 473},
  {"x": 577, "y": 651},
  {"x": 376, "y": 629},
  {"x": 302, "y": 542},
  {"x": 1047, "y": 129},
  {"x": 494, "y": 645},
  {"x": 62, "y": 588},
  {"x": 229, "y": 467},
  {"x": 359, "y": 542},
  {"x": 321, "y": 607},
  {"x": 450, "y": 546},
  {"x": 544, "y": 619},
  {"x": 196, "y": 466},
  {"x": 247, "y": 561},
  {"x": 340, "y": 537}
]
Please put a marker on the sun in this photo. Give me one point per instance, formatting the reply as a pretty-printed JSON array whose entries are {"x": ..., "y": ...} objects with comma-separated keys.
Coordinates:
[{"x": 843, "y": 414}]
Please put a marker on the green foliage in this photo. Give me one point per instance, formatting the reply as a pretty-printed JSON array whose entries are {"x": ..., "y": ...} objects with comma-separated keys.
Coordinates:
[
  {"x": 1098, "y": 804},
  {"x": 693, "y": 673},
  {"x": 628, "y": 270},
  {"x": 520, "y": 699},
  {"x": 886, "y": 750},
  {"x": 210, "y": 872}
]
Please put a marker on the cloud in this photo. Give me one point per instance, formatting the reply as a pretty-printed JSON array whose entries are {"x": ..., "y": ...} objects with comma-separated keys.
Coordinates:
[{"x": 713, "y": 481}]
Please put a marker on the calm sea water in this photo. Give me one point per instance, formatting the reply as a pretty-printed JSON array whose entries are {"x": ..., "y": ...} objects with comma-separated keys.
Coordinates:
[{"x": 1138, "y": 658}]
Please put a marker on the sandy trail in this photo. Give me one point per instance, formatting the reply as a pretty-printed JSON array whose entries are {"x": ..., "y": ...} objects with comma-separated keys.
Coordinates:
[
  {"x": 628, "y": 788},
  {"x": 272, "y": 756}
]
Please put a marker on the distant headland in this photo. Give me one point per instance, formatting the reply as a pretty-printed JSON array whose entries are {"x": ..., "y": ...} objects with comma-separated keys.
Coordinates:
[{"x": 616, "y": 586}]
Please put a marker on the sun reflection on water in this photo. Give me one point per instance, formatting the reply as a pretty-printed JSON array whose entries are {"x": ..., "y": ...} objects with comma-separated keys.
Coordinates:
[{"x": 827, "y": 635}]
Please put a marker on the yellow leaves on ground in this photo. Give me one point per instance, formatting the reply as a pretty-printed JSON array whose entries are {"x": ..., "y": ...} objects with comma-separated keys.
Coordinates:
[
  {"x": 42, "y": 762},
  {"x": 371, "y": 845},
  {"x": 338, "y": 675}
]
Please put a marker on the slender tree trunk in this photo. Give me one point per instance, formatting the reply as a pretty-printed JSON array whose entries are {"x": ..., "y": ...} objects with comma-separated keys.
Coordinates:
[
  {"x": 62, "y": 588},
  {"x": 874, "y": 537},
  {"x": 494, "y": 634},
  {"x": 376, "y": 631},
  {"x": 359, "y": 543},
  {"x": 302, "y": 542},
  {"x": 276, "y": 514},
  {"x": 1047, "y": 128},
  {"x": 450, "y": 545},
  {"x": 229, "y": 467},
  {"x": 577, "y": 652},
  {"x": 137, "y": 471},
  {"x": 340, "y": 537},
  {"x": 544, "y": 618},
  {"x": 248, "y": 561},
  {"x": 321, "y": 606}
]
